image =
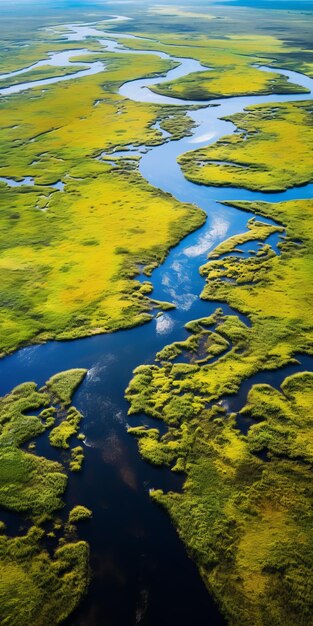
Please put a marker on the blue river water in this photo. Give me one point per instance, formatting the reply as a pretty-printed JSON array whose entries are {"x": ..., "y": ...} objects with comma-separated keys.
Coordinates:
[{"x": 141, "y": 572}]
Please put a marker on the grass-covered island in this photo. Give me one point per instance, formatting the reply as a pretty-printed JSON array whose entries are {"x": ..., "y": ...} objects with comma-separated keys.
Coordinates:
[
  {"x": 44, "y": 568},
  {"x": 258, "y": 156}
]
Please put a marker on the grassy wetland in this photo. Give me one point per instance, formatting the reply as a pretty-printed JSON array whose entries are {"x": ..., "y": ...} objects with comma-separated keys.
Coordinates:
[
  {"x": 245, "y": 160},
  {"x": 63, "y": 276},
  {"x": 38, "y": 585},
  {"x": 58, "y": 290},
  {"x": 221, "y": 80},
  {"x": 82, "y": 231},
  {"x": 244, "y": 512}
]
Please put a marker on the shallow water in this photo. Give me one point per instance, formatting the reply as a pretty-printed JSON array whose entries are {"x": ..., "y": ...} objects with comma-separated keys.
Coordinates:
[
  {"x": 141, "y": 573},
  {"x": 58, "y": 59},
  {"x": 29, "y": 181}
]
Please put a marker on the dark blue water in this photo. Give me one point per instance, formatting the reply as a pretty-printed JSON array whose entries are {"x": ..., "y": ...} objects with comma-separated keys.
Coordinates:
[
  {"x": 273, "y": 378},
  {"x": 141, "y": 572}
]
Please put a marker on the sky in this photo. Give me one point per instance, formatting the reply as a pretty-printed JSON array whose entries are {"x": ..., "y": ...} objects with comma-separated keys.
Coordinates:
[{"x": 70, "y": 4}]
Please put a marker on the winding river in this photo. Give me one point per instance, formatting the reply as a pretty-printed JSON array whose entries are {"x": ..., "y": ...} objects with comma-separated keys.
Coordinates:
[{"x": 142, "y": 574}]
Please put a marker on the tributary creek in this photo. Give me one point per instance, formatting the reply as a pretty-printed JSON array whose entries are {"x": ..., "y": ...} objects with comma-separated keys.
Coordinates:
[{"x": 141, "y": 572}]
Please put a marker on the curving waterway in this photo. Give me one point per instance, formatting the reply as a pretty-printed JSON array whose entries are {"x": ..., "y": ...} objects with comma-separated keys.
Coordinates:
[{"x": 141, "y": 573}]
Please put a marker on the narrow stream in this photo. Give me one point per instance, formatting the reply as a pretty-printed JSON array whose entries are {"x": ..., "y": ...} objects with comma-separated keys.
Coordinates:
[{"x": 141, "y": 573}]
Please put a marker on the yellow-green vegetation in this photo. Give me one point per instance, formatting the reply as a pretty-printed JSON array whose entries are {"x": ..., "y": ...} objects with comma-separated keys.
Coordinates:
[
  {"x": 244, "y": 512},
  {"x": 230, "y": 61},
  {"x": 203, "y": 345},
  {"x": 258, "y": 231},
  {"x": 79, "y": 513},
  {"x": 15, "y": 57},
  {"x": 69, "y": 258},
  {"x": 37, "y": 586},
  {"x": 67, "y": 269},
  {"x": 28, "y": 483},
  {"x": 275, "y": 291},
  {"x": 284, "y": 424},
  {"x": 281, "y": 38},
  {"x": 77, "y": 458},
  {"x": 177, "y": 123},
  {"x": 259, "y": 156},
  {"x": 233, "y": 81},
  {"x": 31, "y": 483},
  {"x": 247, "y": 522},
  {"x": 60, "y": 435},
  {"x": 168, "y": 10},
  {"x": 39, "y": 73},
  {"x": 62, "y": 386}
]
